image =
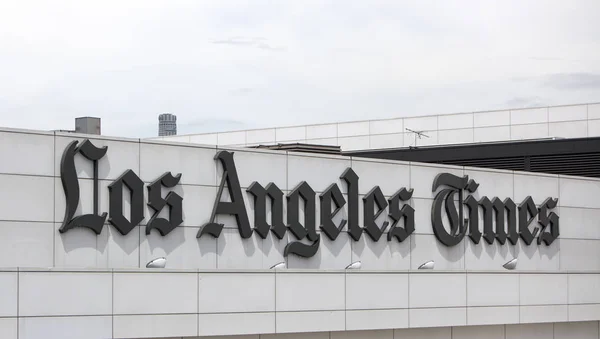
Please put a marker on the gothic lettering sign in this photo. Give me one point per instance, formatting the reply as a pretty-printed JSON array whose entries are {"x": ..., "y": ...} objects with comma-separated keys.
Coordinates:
[{"x": 501, "y": 219}]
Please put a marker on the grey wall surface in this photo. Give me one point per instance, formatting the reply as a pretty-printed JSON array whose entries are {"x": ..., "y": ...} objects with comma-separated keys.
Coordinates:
[
  {"x": 84, "y": 285},
  {"x": 572, "y": 121}
]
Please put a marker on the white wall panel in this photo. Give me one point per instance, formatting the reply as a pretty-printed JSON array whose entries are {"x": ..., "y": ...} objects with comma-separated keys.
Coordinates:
[
  {"x": 86, "y": 202},
  {"x": 477, "y": 332},
  {"x": 236, "y": 323},
  {"x": 382, "y": 254},
  {"x": 424, "y": 333},
  {"x": 376, "y": 319},
  {"x": 155, "y": 293},
  {"x": 583, "y": 255},
  {"x": 487, "y": 257},
  {"x": 319, "y": 172},
  {"x": 387, "y": 140},
  {"x": 493, "y": 315},
  {"x": 541, "y": 257},
  {"x": 231, "y": 138},
  {"x": 455, "y": 121},
  {"x": 387, "y": 126},
  {"x": 321, "y": 131},
  {"x": 390, "y": 177},
  {"x": 307, "y": 335},
  {"x": 360, "y": 287},
  {"x": 494, "y": 118},
  {"x": 290, "y": 133},
  {"x": 354, "y": 143},
  {"x": 26, "y": 244},
  {"x": 530, "y": 331},
  {"x": 529, "y": 116},
  {"x": 37, "y": 192},
  {"x": 8, "y": 294},
  {"x": 260, "y": 136},
  {"x": 8, "y": 328},
  {"x": 381, "y": 334},
  {"x": 310, "y": 321},
  {"x": 204, "y": 139},
  {"x": 579, "y": 193},
  {"x": 543, "y": 314},
  {"x": 584, "y": 288},
  {"x": 593, "y": 128},
  {"x": 423, "y": 215},
  {"x": 243, "y": 292},
  {"x": 584, "y": 223},
  {"x": 543, "y": 289},
  {"x": 426, "y": 247},
  {"x": 576, "y": 330},
  {"x": 530, "y": 131},
  {"x": 593, "y": 111},
  {"x": 456, "y": 136},
  {"x": 492, "y": 183},
  {"x": 327, "y": 292},
  {"x": 428, "y": 138},
  {"x": 323, "y": 142},
  {"x": 570, "y": 129},
  {"x": 584, "y": 312},
  {"x": 262, "y": 167},
  {"x": 351, "y": 129},
  {"x": 539, "y": 187},
  {"x": 66, "y": 327},
  {"x": 429, "y": 123},
  {"x": 25, "y": 153},
  {"x": 196, "y": 164},
  {"x": 432, "y": 317},
  {"x": 437, "y": 290},
  {"x": 492, "y": 290},
  {"x": 331, "y": 254},
  {"x": 54, "y": 293},
  {"x": 121, "y": 156},
  {"x": 421, "y": 178},
  {"x": 152, "y": 326},
  {"x": 487, "y": 134},
  {"x": 567, "y": 113}
]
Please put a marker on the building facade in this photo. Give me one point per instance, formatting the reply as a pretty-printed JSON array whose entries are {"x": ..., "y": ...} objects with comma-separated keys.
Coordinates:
[
  {"x": 273, "y": 244},
  {"x": 167, "y": 124}
]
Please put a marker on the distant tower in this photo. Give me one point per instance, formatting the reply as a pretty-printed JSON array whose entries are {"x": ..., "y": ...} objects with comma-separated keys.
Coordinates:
[{"x": 167, "y": 124}]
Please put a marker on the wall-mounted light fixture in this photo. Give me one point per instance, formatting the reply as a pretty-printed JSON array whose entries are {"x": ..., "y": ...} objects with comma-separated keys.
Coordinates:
[
  {"x": 428, "y": 265},
  {"x": 157, "y": 263},
  {"x": 511, "y": 265},
  {"x": 278, "y": 266},
  {"x": 354, "y": 266}
]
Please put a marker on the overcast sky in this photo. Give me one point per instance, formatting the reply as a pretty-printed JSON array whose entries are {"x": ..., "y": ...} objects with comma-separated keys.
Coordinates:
[{"x": 223, "y": 65}]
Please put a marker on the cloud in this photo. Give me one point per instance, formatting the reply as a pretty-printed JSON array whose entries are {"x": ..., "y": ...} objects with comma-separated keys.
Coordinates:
[
  {"x": 256, "y": 42},
  {"x": 241, "y": 91},
  {"x": 572, "y": 81}
]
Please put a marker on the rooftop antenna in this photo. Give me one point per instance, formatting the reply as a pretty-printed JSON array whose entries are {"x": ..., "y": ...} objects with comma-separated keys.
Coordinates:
[{"x": 418, "y": 134}]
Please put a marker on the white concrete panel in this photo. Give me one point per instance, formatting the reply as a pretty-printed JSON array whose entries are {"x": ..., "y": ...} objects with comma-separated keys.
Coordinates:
[
  {"x": 381, "y": 334},
  {"x": 476, "y": 332},
  {"x": 307, "y": 335},
  {"x": 493, "y": 315},
  {"x": 493, "y": 118},
  {"x": 567, "y": 113},
  {"x": 437, "y": 290},
  {"x": 260, "y": 136},
  {"x": 8, "y": 294},
  {"x": 195, "y": 164},
  {"x": 492, "y": 183},
  {"x": 571, "y": 129},
  {"x": 576, "y": 330},
  {"x": 26, "y": 244},
  {"x": 583, "y": 223},
  {"x": 390, "y": 177},
  {"x": 351, "y": 129},
  {"x": 424, "y": 333},
  {"x": 323, "y": 142},
  {"x": 262, "y": 167},
  {"x": 386, "y": 126},
  {"x": 487, "y": 134},
  {"x": 31, "y": 154},
  {"x": 236, "y": 323},
  {"x": 123, "y": 251},
  {"x": 421, "y": 178},
  {"x": 427, "y": 247},
  {"x": 310, "y": 321},
  {"x": 429, "y": 123},
  {"x": 204, "y": 139},
  {"x": 27, "y": 198},
  {"x": 423, "y": 215},
  {"x": 486, "y": 257},
  {"x": 593, "y": 128},
  {"x": 8, "y": 328},
  {"x": 431, "y": 317},
  {"x": 382, "y": 254},
  {"x": 197, "y": 205},
  {"x": 120, "y": 157},
  {"x": 543, "y": 289},
  {"x": 236, "y": 292},
  {"x": 386, "y": 141},
  {"x": 234, "y": 252},
  {"x": 181, "y": 248},
  {"x": 327, "y": 291},
  {"x": 290, "y": 133},
  {"x": 155, "y": 326},
  {"x": 153, "y": 293},
  {"x": 584, "y": 288},
  {"x": 579, "y": 193},
  {"x": 86, "y": 200},
  {"x": 584, "y": 312},
  {"x": 231, "y": 138},
  {"x": 376, "y": 319},
  {"x": 429, "y": 138},
  {"x": 455, "y": 121},
  {"x": 321, "y": 131},
  {"x": 81, "y": 248},
  {"x": 175, "y": 138},
  {"x": 539, "y": 187},
  {"x": 492, "y": 290},
  {"x": 354, "y": 143},
  {"x": 529, "y": 331},
  {"x": 531, "y": 131},
  {"x": 543, "y": 314},
  {"x": 66, "y": 327},
  {"x": 359, "y": 287},
  {"x": 318, "y": 172},
  {"x": 538, "y": 257},
  {"x": 580, "y": 255},
  {"x": 77, "y": 293},
  {"x": 593, "y": 111},
  {"x": 529, "y": 116},
  {"x": 456, "y": 136}
]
